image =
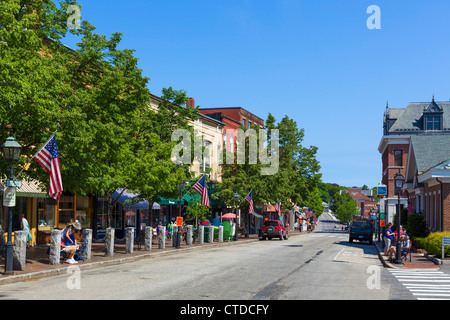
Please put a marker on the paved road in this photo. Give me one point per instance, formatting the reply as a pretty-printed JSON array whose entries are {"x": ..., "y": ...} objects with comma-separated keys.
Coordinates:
[{"x": 319, "y": 265}]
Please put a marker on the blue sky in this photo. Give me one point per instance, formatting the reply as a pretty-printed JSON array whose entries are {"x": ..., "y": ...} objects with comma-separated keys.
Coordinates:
[{"x": 313, "y": 60}]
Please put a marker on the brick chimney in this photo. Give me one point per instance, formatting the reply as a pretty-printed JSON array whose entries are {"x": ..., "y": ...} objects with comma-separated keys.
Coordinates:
[{"x": 190, "y": 103}]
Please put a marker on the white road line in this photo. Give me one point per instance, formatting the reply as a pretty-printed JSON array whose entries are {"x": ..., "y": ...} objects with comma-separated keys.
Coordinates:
[{"x": 425, "y": 285}]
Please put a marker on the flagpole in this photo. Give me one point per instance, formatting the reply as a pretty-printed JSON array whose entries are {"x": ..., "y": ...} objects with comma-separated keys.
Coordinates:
[{"x": 36, "y": 154}]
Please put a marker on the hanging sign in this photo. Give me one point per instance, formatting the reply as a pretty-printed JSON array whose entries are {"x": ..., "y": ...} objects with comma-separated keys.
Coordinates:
[{"x": 9, "y": 197}]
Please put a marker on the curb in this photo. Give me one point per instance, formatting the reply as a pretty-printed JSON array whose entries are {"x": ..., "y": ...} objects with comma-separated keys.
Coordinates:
[
  {"x": 386, "y": 264},
  {"x": 113, "y": 261}
]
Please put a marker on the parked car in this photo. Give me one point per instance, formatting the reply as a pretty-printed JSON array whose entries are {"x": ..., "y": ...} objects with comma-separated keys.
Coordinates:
[
  {"x": 361, "y": 230},
  {"x": 274, "y": 229}
]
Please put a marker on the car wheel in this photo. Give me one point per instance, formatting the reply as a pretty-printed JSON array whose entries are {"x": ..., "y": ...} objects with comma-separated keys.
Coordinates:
[
  {"x": 286, "y": 236},
  {"x": 281, "y": 235}
]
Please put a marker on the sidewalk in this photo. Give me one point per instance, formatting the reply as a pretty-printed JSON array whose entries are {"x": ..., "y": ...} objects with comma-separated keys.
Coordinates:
[
  {"x": 38, "y": 265},
  {"x": 418, "y": 260}
]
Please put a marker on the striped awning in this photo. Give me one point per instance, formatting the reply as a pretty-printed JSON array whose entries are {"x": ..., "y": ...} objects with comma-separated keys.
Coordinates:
[{"x": 30, "y": 188}]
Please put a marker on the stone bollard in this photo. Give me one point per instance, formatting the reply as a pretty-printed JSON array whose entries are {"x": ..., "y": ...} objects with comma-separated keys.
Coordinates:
[
  {"x": 211, "y": 234},
  {"x": 55, "y": 247},
  {"x": 201, "y": 234},
  {"x": 174, "y": 236},
  {"x": 20, "y": 250},
  {"x": 189, "y": 234},
  {"x": 109, "y": 242},
  {"x": 129, "y": 245},
  {"x": 87, "y": 238},
  {"x": 162, "y": 238},
  {"x": 148, "y": 238},
  {"x": 220, "y": 233}
]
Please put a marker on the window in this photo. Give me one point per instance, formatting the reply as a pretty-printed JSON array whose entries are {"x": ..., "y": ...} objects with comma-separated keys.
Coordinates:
[
  {"x": 243, "y": 122},
  {"x": 206, "y": 159},
  {"x": 432, "y": 123},
  {"x": 46, "y": 214},
  {"x": 83, "y": 213},
  {"x": 398, "y": 158}
]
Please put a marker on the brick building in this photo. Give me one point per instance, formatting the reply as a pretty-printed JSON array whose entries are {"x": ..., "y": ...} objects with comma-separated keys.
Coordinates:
[
  {"x": 233, "y": 118},
  {"x": 416, "y": 143}
]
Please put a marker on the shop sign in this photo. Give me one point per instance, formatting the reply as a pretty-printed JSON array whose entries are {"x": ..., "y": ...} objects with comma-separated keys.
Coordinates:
[{"x": 9, "y": 197}]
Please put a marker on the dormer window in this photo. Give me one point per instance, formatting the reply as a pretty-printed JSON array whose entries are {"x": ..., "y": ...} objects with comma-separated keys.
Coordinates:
[
  {"x": 432, "y": 117},
  {"x": 432, "y": 122}
]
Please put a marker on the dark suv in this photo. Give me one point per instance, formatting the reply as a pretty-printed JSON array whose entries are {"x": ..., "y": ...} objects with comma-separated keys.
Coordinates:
[
  {"x": 274, "y": 229},
  {"x": 361, "y": 230}
]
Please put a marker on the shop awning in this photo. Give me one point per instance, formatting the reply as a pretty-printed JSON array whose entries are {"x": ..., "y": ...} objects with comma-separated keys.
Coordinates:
[
  {"x": 129, "y": 201},
  {"x": 30, "y": 189},
  {"x": 168, "y": 202}
]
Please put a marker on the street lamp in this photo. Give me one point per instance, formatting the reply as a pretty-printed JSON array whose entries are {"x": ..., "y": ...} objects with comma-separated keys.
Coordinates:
[
  {"x": 399, "y": 180},
  {"x": 181, "y": 188},
  {"x": 11, "y": 152},
  {"x": 236, "y": 201}
]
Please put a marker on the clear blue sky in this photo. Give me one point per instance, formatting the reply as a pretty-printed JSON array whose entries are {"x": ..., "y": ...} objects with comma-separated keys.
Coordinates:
[{"x": 313, "y": 60}]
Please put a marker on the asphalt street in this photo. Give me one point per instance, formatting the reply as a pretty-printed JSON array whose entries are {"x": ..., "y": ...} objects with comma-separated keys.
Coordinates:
[{"x": 318, "y": 266}]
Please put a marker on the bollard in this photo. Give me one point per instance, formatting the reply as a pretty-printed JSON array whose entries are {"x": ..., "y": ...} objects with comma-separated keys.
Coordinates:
[
  {"x": 220, "y": 233},
  {"x": 162, "y": 237},
  {"x": 211, "y": 234},
  {"x": 174, "y": 236},
  {"x": 129, "y": 245},
  {"x": 201, "y": 234},
  {"x": 55, "y": 247},
  {"x": 87, "y": 238},
  {"x": 19, "y": 250},
  {"x": 109, "y": 242},
  {"x": 148, "y": 238},
  {"x": 189, "y": 234}
]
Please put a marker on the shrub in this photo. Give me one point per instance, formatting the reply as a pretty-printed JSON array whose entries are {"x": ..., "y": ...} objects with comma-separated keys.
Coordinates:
[
  {"x": 416, "y": 226},
  {"x": 418, "y": 242},
  {"x": 433, "y": 244}
]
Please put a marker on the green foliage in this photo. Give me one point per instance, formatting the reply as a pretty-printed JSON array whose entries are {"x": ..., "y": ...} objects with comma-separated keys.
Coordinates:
[
  {"x": 346, "y": 211},
  {"x": 433, "y": 244},
  {"x": 196, "y": 211},
  {"x": 94, "y": 95},
  {"x": 416, "y": 226}
]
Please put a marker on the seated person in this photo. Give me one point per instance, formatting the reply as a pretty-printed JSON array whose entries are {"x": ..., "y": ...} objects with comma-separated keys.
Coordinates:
[
  {"x": 405, "y": 243},
  {"x": 391, "y": 252},
  {"x": 70, "y": 250}
]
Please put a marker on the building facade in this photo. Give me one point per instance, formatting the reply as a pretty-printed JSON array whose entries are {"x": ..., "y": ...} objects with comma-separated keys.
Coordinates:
[{"x": 416, "y": 143}]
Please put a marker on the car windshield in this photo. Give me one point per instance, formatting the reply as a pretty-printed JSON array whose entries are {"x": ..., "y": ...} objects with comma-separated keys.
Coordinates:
[
  {"x": 362, "y": 224},
  {"x": 271, "y": 223}
]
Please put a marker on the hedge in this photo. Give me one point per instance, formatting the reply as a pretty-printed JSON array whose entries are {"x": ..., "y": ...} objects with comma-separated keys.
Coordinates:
[{"x": 433, "y": 244}]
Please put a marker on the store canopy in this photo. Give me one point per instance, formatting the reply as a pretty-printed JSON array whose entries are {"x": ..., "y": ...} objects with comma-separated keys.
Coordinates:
[
  {"x": 30, "y": 188},
  {"x": 129, "y": 201}
]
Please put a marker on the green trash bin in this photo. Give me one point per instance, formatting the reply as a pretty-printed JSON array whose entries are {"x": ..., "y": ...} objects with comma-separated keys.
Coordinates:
[{"x": 227, "y": 233}]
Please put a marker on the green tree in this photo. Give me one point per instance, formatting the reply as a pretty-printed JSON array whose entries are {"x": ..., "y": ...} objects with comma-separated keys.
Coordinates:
[
  {"x": 346, "y": 211},
  {"x": 93, "y": 95}
]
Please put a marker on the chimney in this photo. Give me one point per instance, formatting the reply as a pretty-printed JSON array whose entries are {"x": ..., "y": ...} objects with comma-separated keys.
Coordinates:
[{"x": 190, "y": 103}]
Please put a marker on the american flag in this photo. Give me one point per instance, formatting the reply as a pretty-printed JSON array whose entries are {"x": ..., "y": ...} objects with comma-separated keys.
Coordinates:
[
  {"x": 249, "y": 199},
  {"x": 277, "y": 207},
  {"x": 201, "y": 188},
  {"x": 48, "y": 157}
]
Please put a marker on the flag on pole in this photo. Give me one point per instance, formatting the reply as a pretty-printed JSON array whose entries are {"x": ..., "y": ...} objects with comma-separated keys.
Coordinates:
[
  {"x": 249, "y": 199},
  {"x": 48, "y": 158},
  {"x": 277, "y": 207},
  {"x": 201, "y": 188}
]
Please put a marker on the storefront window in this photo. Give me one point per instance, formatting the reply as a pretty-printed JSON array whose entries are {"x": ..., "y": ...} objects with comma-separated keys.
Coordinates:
[
  {"x": 102, "y": 215},
  {"x": 83, "y": 213},
  {"x": 46, "y": 214},
  {"x": 66, "y": 211},
  {"x": 130, "y": 216},
  {"x": 20, "y": 207}
]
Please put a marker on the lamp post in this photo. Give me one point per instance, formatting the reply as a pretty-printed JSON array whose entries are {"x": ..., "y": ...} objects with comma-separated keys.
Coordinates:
[
  {"x": 399, "y": 180},
  {"x": 181, "y": 188},
  {"x": 236, "y": 201},
  {"x": 11, "y": 152}
]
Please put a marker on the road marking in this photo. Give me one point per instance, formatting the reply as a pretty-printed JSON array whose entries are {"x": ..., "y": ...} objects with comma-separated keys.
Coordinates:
[{"x": 425, "y": 285}]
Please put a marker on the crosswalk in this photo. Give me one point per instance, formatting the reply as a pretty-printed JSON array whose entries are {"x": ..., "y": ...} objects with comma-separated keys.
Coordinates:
[{"x": 425, "y": 284}]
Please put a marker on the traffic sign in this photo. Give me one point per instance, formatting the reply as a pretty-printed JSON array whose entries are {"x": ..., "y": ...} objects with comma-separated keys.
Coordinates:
[{"x": 179, "y": 221}]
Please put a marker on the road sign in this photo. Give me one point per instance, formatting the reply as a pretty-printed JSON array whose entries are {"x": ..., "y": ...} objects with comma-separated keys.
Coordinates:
[
  {"x": 179, "y": 221},
  {"x": 382, "y": 223},
  {"x": 445, "y": 242},
  {"x": 382, "y": 190}
]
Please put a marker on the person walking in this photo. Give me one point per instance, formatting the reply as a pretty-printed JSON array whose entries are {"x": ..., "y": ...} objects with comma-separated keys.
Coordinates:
[{"x": 25, "y": 227}]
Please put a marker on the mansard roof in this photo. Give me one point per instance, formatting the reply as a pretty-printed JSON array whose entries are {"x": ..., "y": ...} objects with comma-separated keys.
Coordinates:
[{"x": 410, "y": 119}]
